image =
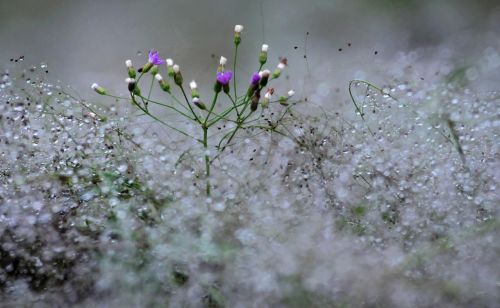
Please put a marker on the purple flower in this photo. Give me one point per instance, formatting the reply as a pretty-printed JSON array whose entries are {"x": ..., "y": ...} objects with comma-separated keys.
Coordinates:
[
  {"x": 154, "y": 57},
  {"x": 255, "y": 79},
  {"x": 224, "y": 77}
]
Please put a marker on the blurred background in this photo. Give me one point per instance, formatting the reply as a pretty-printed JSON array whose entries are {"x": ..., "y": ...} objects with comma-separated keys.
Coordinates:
[{"x": 86, "y": 41}]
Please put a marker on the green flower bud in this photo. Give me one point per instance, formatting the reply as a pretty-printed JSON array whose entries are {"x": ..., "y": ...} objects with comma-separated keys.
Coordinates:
[
  {"x": 283, "y": 100},
  {"x": 130, "y": 69},
  {"x": 154, "y": 70},
  {"x": 99, "y": 89},
  {"x": 237, "y": 34},
  {"x": 164, "y": 85},
  {"x": 276, "y": 73},
  {"x": 217, "y": 87},
  {"x": 146, "y": 67},
  {"x": 131, "y": 72},
  {"x": 264, "y": 103},
  {"x": 177, "y": 75},
  {"x": 263, "y": 54},
  {"x": 194, "y": 89},
  {"x": 170, "y": 67},
  {"x": 199, "y": 103},
  {"x": 226, "y": 88},
  {"x": 263, "y": 58},
  {"x": 251, "y": 90}
]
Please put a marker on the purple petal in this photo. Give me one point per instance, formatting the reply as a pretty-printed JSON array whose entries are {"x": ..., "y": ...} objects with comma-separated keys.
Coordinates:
[
  {"x": 224, "y": 77},
  {"x": 255, "y": 78},
  {"x": 155, "y": 58}
]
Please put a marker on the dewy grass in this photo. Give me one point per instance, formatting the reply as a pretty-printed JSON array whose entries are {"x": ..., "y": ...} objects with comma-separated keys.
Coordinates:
[
  {"x": 450, "y": 138},
  {"x": 329, "y": 215},
  {"x": 241, "y": 111}
]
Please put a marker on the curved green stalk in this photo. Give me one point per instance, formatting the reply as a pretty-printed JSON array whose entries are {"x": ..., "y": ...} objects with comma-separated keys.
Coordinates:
[
  {"x": 168, "y": 106},
  {"x": 159, "y": 120},
  {"x": 189, "y": 104}
]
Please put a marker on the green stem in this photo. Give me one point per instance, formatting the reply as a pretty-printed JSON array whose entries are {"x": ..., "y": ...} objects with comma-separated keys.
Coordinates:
[
  {"x": 168, "y": 106},
  {"x": 150, "y": 90},
  {"x": 207, "y": 158},
  {"x": 211, "y": 108},
  {"x": 157, "y": 119},
  {"x": 234, "y": 71},
  {"x": 234, "y": 105},
  {"x": 222, "y": 115},
  {"x": 189, "y": 104},
  {"x": 114, "y": 96}
]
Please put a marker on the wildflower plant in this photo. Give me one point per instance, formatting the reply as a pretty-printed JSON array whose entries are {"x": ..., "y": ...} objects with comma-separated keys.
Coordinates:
[{"x": 240, "y": 108}]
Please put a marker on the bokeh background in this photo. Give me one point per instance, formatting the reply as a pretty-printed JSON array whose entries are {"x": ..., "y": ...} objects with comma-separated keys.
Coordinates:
[{"x": 86, "y": 41}]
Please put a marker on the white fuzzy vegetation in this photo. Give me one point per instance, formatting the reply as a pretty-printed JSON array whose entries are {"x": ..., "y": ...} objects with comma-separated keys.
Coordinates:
[{"x": 398, "y": 207}]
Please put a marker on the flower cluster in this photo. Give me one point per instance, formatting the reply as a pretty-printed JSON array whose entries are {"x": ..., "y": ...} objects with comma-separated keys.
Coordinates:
[{"x": 239, "y": 110}]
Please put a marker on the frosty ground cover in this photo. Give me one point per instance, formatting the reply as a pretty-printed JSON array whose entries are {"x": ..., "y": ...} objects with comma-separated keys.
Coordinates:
[{"x": 388, "y": 197}]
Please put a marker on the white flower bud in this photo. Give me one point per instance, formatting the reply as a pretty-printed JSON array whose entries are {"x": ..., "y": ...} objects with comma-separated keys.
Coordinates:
[
  {"x": 170, "y": 62},
  {"x": 177, "y": 69},
  {"x": 265, "y": 48},
  {"x": 291, "y": 93},
  {"x": 281, "y": 66},
  {"x": 196, "y": 100},
  {"x": 223, "y": 61},
  {"x": 129, "y": 80},
  {"x": 265, "y": 73},
  {"x": 238, "y": 28},
  {"x": 193, "y": 85},
  {"x": 267, "y": 95},
  {"x": 95, "y": 86},
  {"x": 128, "y": 63},
  {"x": 158, "y": 77}
]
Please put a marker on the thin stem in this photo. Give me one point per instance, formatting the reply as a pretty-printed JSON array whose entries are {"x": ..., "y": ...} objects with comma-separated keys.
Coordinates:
[
  {"x": 223, "y": 114},
  {"x": 245, "y": 104},
  {"x": 114, "y": 96},
  {"x": 232, "y": 133},
  {"x": 150, "y": 90},
  {"x": 207, "y": 158},
  {"x": 157, "y": 119},
  {"x": 139, "y": 78},
  {"x": 189, "y": 105},
  {"x": 234, "y": 104},
  {"x": 168, "y": 106},
  {"x": 178, "y": 101},
  {"x": 211, "y": 108},
  {"x": 234, "y": 71}
]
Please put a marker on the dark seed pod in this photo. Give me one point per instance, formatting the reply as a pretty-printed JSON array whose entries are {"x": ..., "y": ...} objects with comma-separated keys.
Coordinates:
[{"x": 255, "y": 101}]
